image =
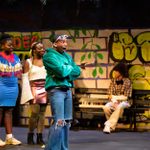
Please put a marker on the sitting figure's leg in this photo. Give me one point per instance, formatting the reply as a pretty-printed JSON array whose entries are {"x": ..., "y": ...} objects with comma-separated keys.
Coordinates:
[
  {"x": 111, "y": 123},
  {"x": 108, "y": 110},
  {"x": 113, "y": 120}
]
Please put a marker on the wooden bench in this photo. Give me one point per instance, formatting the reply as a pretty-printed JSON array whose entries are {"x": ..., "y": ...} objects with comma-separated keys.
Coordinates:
[
  {"x": 88, "y": 104},
  {"x": 141, "y": 103}
]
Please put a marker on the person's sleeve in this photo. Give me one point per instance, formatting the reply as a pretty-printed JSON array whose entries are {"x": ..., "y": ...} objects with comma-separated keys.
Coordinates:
[
  {"x": 110, "y": 90},
  {"x": 75, "y": 73},
  {"x": 26, "y": 93},
  {"x": 128, "y": 88},
  {"x": 53, "y": 64}
]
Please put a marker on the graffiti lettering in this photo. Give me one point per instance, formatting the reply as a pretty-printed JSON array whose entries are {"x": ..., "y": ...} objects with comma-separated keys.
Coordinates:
[
  {"x": 143, "y": 44},
  {"x": 24, "y": 42},
  {"x": 17, "y": 42},
  {"x": 123, "y": 47}
]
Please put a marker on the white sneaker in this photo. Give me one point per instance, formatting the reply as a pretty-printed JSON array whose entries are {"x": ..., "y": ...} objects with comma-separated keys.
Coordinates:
[
  {"x": 106, "y": 129},
  {"x": 2, "y": 143},
  {"x": 12, "y": 141},
  {"x": 43, "y": 146}
]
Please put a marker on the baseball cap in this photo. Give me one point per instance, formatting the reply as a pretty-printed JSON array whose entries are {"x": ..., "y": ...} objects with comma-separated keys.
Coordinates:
[{"x": 54, "y": 38}]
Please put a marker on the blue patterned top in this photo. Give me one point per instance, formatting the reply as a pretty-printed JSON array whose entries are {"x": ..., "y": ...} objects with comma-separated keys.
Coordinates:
[
  {"x": 10, "y": 69},
  {"x": 9, "y": 73}
]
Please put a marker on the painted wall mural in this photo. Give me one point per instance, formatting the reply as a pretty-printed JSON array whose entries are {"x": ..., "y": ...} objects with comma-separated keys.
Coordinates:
[
  {"x": 101, "y": 50},
  {"x": 125, "y": 47},
  {"x": 143, "y": 44},
  {"x": 94, "y": 47},
  {"x": 140, "y": 76},
  {"x": 122, "y": 47},
  {"x": 22, "y": 44}
]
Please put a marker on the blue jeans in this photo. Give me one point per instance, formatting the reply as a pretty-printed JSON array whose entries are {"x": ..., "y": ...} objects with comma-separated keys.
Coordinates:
[{"x": 61, "y": 105}]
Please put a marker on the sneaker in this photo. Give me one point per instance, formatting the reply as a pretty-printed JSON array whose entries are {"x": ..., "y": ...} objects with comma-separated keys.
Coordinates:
[
  {"x": 106, "y": 129},
  {"x": 12, "y": 141},
  {"x": 43, "y": 146},
  {"x": 2, "y": 143}
]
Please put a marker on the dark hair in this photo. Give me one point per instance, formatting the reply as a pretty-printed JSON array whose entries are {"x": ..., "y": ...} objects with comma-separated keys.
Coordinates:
[
  {"x": 122, "y": 68},
  {"x": 4, "y": 37}
]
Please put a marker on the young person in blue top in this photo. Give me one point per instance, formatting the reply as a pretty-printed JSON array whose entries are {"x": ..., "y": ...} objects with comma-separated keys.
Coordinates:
[
  {"x": 61, "y": 72},
  {"x": 10, "y": 70}
]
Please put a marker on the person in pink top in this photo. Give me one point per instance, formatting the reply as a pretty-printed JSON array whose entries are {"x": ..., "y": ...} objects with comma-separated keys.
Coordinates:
[{"x": 33, "y": 80}]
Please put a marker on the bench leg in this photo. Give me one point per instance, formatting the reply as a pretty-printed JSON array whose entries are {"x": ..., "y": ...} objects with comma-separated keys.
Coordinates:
[
  {"x": 131, "y": 119},
  {"x": 134, "y": 119}
]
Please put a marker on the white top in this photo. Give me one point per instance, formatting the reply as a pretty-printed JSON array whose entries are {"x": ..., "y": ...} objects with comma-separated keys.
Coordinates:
[
  {"x": 36, "y": 72},
  {"x": 116, "y": 98}
]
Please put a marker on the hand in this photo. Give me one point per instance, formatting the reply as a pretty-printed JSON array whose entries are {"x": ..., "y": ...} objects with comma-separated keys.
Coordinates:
[
  {"x": 110, "y": 97},
  {"x": 82, "y": 65},
  {"x": 116, "y": 104}
]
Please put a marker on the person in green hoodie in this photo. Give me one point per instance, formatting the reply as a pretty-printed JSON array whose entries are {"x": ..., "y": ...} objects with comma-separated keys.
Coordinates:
[{"x": 61, "y": 72}]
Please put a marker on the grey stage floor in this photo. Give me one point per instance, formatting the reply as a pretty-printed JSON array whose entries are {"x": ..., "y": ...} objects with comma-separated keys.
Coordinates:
[{"x": 89, "y": 140}]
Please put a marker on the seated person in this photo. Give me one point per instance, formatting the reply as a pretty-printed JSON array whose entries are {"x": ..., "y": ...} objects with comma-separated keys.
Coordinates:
[{"x": 120, "y": 90}]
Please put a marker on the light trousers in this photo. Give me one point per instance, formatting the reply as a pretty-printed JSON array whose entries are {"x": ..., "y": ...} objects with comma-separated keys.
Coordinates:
[{"x": 113, "y": 111}]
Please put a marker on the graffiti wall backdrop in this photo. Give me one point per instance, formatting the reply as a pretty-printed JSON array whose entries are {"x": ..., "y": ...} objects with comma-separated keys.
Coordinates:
[{"x": 100, "y": 50}]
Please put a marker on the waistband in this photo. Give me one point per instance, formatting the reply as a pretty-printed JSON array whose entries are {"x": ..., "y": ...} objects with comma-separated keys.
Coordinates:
[
  {"x": 62, "y": 88},
  {"x": 39, "y": 83}
]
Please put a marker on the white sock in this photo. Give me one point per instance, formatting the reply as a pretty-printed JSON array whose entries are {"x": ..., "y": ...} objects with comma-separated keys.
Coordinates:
[{"x": 8, "y": 136}]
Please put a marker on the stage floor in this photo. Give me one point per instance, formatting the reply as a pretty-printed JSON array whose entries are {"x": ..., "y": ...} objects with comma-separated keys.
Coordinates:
[{"x": 88, "y": 140}]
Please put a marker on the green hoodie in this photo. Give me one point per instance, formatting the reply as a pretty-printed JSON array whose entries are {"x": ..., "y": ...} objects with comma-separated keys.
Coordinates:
[{"x": 61, "y": 69}]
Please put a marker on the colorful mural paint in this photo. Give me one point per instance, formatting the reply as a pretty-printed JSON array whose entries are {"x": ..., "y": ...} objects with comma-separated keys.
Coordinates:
[
  {"x": 119, "y": 46},
  {"x": 22, "y": 44},
  {"x": 125, "y": 47}
]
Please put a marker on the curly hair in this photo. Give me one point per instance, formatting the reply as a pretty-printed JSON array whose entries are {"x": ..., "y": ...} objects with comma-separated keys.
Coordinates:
[{"x": 122, "y": 68}]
